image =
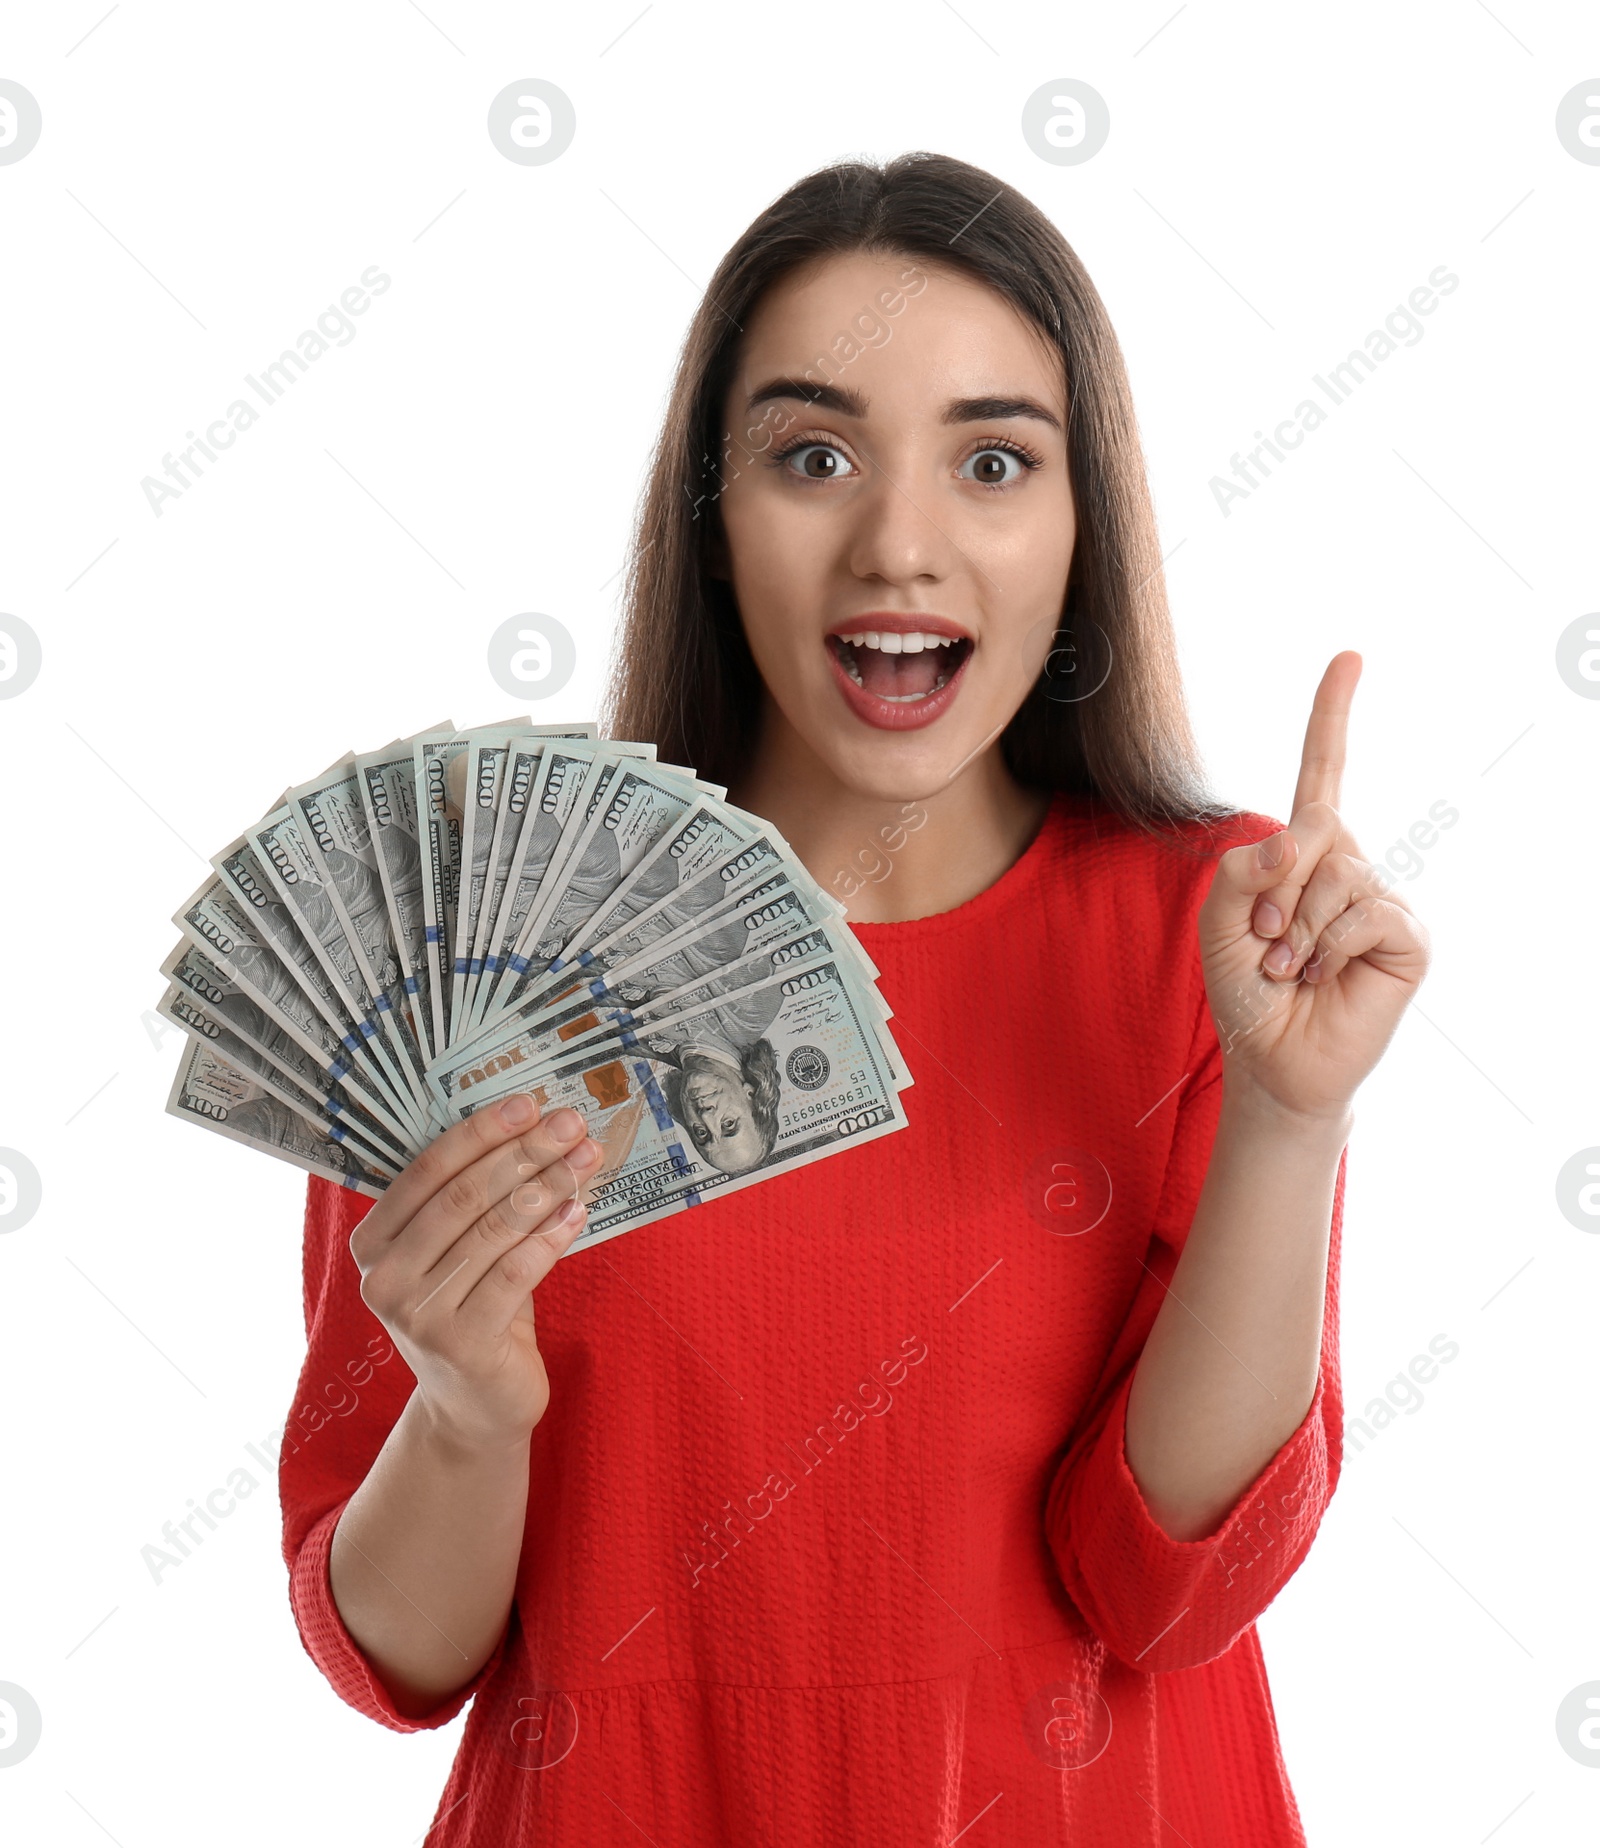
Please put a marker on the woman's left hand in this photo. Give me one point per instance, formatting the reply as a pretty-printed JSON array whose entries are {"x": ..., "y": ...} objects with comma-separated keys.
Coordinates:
[{"x": 1309, "y": 962}]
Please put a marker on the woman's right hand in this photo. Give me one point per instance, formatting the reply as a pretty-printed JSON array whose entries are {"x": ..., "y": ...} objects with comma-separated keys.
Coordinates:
[{"x": 450, "y": 1255}]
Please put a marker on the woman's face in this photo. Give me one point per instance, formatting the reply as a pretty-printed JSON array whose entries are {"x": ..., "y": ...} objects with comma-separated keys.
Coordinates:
[
  {"x": 898, "y": 542},
  {"x": 719, "y": 1117}
]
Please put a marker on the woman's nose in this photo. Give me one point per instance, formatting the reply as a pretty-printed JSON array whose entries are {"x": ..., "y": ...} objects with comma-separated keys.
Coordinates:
[{"x": 897, "y": 535}]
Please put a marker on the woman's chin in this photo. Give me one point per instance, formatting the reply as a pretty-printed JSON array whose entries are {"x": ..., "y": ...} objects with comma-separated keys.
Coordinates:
[
  {"x": 825, "y": 741},
  {"x": 894, "y": 767}
]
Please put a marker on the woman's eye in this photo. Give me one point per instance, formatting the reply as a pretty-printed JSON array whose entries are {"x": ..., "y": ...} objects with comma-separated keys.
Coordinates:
[
  {"x": 817, "y": 461},
  {"x": 994, "y": 468}
]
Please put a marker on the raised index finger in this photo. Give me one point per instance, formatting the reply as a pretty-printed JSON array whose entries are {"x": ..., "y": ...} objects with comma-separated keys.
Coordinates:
[{"x": 1322, "y": 759}]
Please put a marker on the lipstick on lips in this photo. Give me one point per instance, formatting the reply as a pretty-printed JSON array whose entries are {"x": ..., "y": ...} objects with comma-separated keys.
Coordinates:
[{"x": 898, "y": 671}]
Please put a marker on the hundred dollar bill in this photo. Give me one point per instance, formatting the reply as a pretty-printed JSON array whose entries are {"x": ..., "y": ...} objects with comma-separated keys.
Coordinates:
[
  {"x": 781, "y": 1075},
  {"x": 291, "y": 869},
  {"x": 331, "y": 821},
  {"x": 601, "y": 1001},
  {"x": 711, "y": 917},
  {"x": 245, "y": 876},
  {"x": 216, "y": 920},
  {"x": 672, "y": 883},
  {"x": 207, "y": 985},
  {"x": 482, "y": 810},
  {"x": 680, "y": 895},
  {"x": 700, "y": 839},
  {"x": 185, "y": 1012},
  {"x": 685, "y": 886},
  {"x": 517, "y": 778},
  {"x": 519, "y": 787},
  {"x": 773, "y": 930},
  {"x": 483, "y": 806},
  {"x": 567, "y": 776},
  {"x": 211, "y": 1091},
  {"x": 758, "y": 913},
  {"x": 564, "y": 777},
  {"x": 676, "y": 921},
  {"x": 389, "y": 797},
  {"x": 438, "y": 799},
  {"x": 683, "y": 982},
  {"x": 627, "y": 816}
]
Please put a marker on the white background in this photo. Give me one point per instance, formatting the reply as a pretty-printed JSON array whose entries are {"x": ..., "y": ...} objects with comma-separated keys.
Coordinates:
[{"x": 1276, "y": 180}]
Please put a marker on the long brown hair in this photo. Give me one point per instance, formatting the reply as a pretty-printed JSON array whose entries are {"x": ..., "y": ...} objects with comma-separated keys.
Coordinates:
[{"x": 684, "y": 677}]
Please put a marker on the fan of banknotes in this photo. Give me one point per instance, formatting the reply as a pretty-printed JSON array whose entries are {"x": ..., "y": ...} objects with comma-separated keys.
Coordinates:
[{"x": 426, "y": 928}]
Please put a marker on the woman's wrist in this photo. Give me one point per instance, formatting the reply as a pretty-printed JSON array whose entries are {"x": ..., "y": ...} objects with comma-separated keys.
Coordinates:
[
  {"x": 1250, "y": 1111},
  {"x": 461, "y": 1445}
]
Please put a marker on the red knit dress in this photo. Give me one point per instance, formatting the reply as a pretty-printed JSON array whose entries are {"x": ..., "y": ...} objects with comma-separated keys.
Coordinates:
[{"x": 831, "y": 1534}]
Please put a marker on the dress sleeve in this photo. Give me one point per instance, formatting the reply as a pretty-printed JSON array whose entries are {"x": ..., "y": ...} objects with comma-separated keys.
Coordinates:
[
  {"x": 352, "y": 1389},
  {"x": 1159, "y": 1603}
]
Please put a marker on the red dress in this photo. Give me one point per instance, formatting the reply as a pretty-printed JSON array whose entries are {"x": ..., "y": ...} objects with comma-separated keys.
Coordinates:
[{"x": 832, "y": 1538}]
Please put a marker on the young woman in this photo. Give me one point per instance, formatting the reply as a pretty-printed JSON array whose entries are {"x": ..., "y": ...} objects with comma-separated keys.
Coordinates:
[{"x": 932, "y": 1491}]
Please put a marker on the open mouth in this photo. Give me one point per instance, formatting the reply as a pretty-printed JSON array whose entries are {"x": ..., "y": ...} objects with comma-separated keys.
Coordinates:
[{"x": 903, "y": 668}]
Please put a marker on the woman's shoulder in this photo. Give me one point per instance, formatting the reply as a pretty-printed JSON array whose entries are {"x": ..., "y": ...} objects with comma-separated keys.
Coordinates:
[
  {"x": 1086, "y": 858},
  {"x": 1081, "y": 826},
  {"x": 1098, "y": 860}
]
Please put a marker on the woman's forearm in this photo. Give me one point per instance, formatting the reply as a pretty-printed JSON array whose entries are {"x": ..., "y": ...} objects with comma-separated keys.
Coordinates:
[
  {"x": 1230, "y": 1366},
  {"x": 424, "y": 1558}
]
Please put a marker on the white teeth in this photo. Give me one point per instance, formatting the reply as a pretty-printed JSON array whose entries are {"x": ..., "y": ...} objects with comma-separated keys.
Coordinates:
[{"x": 889, "y": 643}]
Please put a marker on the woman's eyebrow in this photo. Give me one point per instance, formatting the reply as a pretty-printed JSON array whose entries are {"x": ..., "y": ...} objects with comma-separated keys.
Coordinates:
[
  {"x": 838, "y": 398},
  {"x": 849, "y": 403},
  {"x": 991, "y": 410}
]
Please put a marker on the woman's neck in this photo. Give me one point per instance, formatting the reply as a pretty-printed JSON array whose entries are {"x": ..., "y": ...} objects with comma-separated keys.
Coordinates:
[{"x": 889, "y": 860}]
